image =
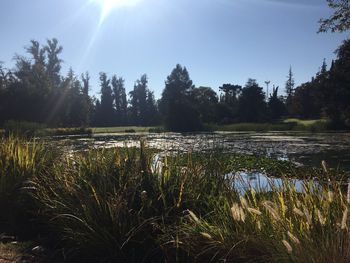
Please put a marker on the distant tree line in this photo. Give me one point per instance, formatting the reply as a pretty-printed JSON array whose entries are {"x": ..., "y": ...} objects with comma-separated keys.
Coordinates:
[{"x": 36, "y": 91}]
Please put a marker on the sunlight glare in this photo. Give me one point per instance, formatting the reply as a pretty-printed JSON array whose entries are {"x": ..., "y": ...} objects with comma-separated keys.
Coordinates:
[{"x": 107, "y": 6}]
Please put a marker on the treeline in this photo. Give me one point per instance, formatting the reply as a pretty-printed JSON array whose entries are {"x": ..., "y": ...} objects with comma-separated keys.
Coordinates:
[{"x": 36, "y": 91}]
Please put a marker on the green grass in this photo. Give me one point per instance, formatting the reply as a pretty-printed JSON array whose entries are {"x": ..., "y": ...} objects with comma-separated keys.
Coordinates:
[
  {"x": 115, "y": 206},
  {"x": 304, "y": 122},
  {"x": 285, "y": 125}
]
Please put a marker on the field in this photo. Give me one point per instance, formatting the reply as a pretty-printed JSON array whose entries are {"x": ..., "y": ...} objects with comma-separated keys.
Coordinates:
[{"x": 118, "y": 205}]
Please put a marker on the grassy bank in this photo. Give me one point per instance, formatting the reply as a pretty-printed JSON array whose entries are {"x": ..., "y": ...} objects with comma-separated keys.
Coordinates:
[
  {"x": 285, "y": 125},
  {"x": 118, "y": 206},
  {"x": 122, "y": 129}
]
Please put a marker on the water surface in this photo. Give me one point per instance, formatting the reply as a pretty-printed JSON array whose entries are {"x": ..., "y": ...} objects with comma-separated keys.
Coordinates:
[{"x": 303, "y": 148}]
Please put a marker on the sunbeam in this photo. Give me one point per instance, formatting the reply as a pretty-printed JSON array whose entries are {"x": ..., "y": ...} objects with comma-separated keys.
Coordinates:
[{"x": 107, "y": 6}]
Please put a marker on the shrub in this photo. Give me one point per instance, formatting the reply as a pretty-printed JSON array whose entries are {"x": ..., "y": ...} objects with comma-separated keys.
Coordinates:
[
  {"x": 20, "y": 161},
  {"x": 24, "y": 128}
]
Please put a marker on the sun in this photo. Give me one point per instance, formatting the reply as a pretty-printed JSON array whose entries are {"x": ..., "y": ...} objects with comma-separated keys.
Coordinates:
[{"x": 107, "y": 6}]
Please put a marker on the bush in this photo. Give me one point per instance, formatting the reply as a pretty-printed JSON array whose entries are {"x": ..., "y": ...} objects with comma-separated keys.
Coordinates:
[
  {"x": 20, "y": 161},
  {"x": 69, "y": 131},
  {"x": 24, "y": 128},
  {"x": 130, "y": 131}
]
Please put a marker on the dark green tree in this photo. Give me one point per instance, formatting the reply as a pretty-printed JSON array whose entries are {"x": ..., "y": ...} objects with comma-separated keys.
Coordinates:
[
  {"x": 289, "y": 90},
  {"x": 152, "y": 114},
  {"x": 339, "y": 21},
  {"x": 138, "y": 101},
  {"x": 252, "y": 105},
  {"x": 105, "y": 116},
  {"x": 337, "y": 90},
  {"x": 120, "y": 101},
  {"x": 53, "y": 67},
  {"x": 176, "y": 107},
  {"x": 228, "y": 107},
  {"x": 205, "y": 100},
  {"x": 276, "y": 107}
]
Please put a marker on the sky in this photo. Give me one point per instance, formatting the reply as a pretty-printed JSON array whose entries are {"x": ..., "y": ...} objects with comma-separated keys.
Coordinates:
[{"x": 219, "y": 41}]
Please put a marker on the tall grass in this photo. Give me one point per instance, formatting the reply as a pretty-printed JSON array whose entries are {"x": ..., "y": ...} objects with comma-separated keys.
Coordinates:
[
  {"x": 116, "y": 205},
  {"x": 19, "y": 162},
  {"x": 279, "y": 226}
]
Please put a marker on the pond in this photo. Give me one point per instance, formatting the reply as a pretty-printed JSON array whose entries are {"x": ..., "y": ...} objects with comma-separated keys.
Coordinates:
[{"x": 302, "y": 148}]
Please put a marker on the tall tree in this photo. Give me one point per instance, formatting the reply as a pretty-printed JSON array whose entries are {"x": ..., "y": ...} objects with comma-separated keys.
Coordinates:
[
  {"x": 106, "y": 114},
  {"x": 339, "y": 20},
  {"x": 276, "y": 106},
  {"x": 53, "y": 67},
  {"x": 152, "y": 115},
  {"x": 337, "y": 90},
  {"x": 87, "y": 104},
  {"x": 120, "y": 100},
  {"x": 252, "y": 105},
  {"x": 289, "y": 89},
  {"x": 138, "y": 104},
  {"x": 178, "y": 112},
  {"x": 228, "y": 106},
  {"x": 205, "y": 101}
]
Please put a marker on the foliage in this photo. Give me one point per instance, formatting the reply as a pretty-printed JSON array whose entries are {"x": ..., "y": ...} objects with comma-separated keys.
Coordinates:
[
  {"x": 117, "y": 205},
  {"x": 276, "y": 107},
  {"x": 339, "y": 20},
  {"x": 20, "y": 161},
  {"x": 105, "y": 113},
  {"x": 143, "y": 107},
  {"x": 120, "y": 100},
  {"x": 252, "y": 106},
  {"x": 176, "y": 107},
  {"x": 327, "y": 94},
  {"x": 68, "y": 131},
  {"x": 24, "y": 128},
  {"x": 205, "y": 101},
  {"x": 35, "y": 91},
  {"x": 289, "y": 90}
]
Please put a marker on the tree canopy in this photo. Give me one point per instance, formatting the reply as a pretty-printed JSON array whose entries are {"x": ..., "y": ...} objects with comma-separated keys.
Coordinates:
[{"x": 339, "y": 21}]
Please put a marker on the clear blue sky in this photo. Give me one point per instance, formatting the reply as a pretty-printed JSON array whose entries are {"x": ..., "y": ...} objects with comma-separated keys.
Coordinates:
[{"x": 219, "y": 41}]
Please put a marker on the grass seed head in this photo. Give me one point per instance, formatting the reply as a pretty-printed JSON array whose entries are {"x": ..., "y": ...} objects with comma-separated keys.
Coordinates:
[
  {"x": 344, "y": 219},
  {"x": 293, "y": 238},
  {"x": 193, "y": 216},
  {"x": 254, "y": 211},
  {"x": 321, "y": 219},
  {"x": 237, "y": 212},
  {"x": 272, "y": 211},
  {"x": 287, "y": 246}
]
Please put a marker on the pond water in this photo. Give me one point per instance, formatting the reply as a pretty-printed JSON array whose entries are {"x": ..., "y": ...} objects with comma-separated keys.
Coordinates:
[
  {"x": 243, "y": 181},
  {"x": 303, "y": 148}
]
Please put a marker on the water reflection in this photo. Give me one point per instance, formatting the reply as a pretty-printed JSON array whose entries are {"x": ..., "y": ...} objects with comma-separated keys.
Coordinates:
[{"x": 244, "y": 181}]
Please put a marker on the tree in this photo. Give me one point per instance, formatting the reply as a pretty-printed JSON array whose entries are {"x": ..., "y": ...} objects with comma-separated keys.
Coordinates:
[
  {"x": 339, "y": 21},
  {"x": 205, "y": 101},
  {"x": 337, "y": 90},
  {"x": 228, "y": 106},
  {"x": 252, "y": 105},
  {"x": 120, "y": 101},
  {"x": 304, "y": 103},
  {"x": 87, "y": 104},
  {"x": 289, "y": 89},
  {"x": 276, "y": 106},
  {"x": 176, "y": 107},
  {"x": 105, "y": 114},
  {"x": 152, "y": 115},
  {"x": 53, "y": 62},
  {"x": 138, "y": 104}
]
